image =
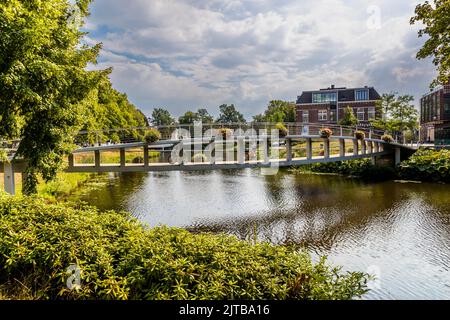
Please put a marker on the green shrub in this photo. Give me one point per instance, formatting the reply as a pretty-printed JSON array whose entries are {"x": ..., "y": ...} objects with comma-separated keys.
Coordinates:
[
  {"x": 427, "y": 165},
  {"x": 282, "y": 130},
  {"x": 360, "y": 135},
  {"x": 121, "y": 259},
  {"x": 152, "y": 135},
  {"x": 362, "y": 168}
]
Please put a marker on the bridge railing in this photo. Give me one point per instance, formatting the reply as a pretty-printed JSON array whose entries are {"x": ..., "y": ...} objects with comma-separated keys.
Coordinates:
[{"x": 137, "y": 134}]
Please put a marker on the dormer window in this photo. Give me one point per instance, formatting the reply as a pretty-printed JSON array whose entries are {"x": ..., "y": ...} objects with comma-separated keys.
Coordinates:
[
  {"x": 322, "y": 97},
  {"x": 362, "y": 94}
]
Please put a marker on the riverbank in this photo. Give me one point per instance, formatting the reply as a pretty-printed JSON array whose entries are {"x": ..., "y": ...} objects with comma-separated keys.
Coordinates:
[
  {"x": 118, "y": 258},
  {"x": 423, "y": 166}
]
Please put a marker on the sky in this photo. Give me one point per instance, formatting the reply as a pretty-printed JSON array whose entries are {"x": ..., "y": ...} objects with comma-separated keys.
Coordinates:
[{"x": 188, "y": 54}]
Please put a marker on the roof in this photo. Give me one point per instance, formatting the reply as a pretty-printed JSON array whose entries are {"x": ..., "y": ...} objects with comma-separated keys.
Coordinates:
[{"x": 344, "y": 94}]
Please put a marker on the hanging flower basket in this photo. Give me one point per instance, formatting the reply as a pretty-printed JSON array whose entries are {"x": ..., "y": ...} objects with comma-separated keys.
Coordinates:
[{"x": 326, "y": 133}]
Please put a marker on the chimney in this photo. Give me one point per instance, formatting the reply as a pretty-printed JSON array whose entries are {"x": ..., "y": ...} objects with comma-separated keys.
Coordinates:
[{"x": 332, "y": 86}]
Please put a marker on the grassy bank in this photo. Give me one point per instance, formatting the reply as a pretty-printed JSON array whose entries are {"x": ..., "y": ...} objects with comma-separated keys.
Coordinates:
[
  {"x": 121, "y": 259},
  {"x": 362, "y": 169},
  {"x": 424, "y": 165}
]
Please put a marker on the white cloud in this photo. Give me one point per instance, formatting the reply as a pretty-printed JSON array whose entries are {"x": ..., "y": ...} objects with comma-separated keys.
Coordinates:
[{"x": 186, "y": 54}]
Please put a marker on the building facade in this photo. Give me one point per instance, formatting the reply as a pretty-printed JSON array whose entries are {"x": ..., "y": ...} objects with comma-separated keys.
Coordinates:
[
  {"x": 435, "y": 116},
  {"x": 328, "y": 105}
]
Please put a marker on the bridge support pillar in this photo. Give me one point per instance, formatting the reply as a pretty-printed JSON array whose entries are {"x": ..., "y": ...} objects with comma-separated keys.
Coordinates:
[
  {"x": 146, "y": 156},
  {"x": 326, "y": 148},
  {"x": 97, "y": 158},
  {"x": 363, "y": 147},
  {"x": 341, "y": 147},
  {"x": 71, "y": 161},
  {"x": 355, "y": 147},
  {"x": 122, "y": 158},
  {"x": 241, "y": 150},
  {"x": 289, "y": 150},
  {"x": 373, "y": 160},
  {"x": 377, "y": 147},
  {"x": 264, "y": 145},
  {"x": 370, "y": 146},
  {"x": 397, "y": 156},
  {"x": 309, "y": 148},
  {"x": 10, "y": 186}
]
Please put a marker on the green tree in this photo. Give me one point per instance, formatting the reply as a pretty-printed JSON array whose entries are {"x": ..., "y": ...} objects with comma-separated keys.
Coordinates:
[
  {"x": 204, "y": 115},
  {"x": 349, "y": 118},
  {"x": 436, "y": 20},
  {"x": 278, "y": 111},
  {"x": 399, "y": 114},
  {"x": 229, "y": 114},
  {"x": 43, "y": 79},
  {"x": 189, "y": 118},
  {"x": 162, "y": 117}
]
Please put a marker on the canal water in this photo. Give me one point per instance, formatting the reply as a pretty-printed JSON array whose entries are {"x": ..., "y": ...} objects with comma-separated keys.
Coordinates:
[{"x": 398, "y": 231}]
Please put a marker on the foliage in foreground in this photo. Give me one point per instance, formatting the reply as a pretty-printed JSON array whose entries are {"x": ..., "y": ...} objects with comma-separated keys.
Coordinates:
[
  {"x": 362, "y": 168},
  {"x": 427, "y": 165},
  {"x": 121, "y": 259}
]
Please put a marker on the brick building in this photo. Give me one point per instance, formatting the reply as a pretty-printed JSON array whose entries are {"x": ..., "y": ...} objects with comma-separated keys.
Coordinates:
[
  {"x": 435, "y": 116},
  {"x": 328, "y": 105}
]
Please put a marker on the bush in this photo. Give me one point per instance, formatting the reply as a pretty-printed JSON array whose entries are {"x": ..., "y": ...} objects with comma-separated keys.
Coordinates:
[
  {"x": 427, "y": 165},
  {"x": 362, "y": 168},
  {"x": 152, "y": 135},
  {"x": 387, "y": 138},
  {"x": 121, "y": 259},
  {"x": 360, "y": 135},
  {"x": 282, "y": 130},
  {"x": 326, "y": 133}
]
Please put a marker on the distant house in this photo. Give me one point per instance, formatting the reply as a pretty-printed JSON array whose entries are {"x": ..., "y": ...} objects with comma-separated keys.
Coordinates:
[
  {"x": 328, "y": 105},
  {"x": 435, "y": 116}
]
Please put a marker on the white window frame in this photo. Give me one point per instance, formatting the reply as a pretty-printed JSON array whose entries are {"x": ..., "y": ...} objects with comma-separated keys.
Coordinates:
[
  {"x": 360, "y": 111},
  {"x": 322, "y": 115},
  {"x": 305, "y": 113}
]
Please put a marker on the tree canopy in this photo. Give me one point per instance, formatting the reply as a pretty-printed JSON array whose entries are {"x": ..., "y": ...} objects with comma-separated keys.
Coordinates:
[
  {"x": 436, "y": 20},
  {"x": 229, "y": 114},
  {"x": 162, "y": 117},
  {"x": 398, "y": 114},
  {"x": 46, "y": 92},
  {"x": 278, "y": 111},
  {"x": 349, "y": 118},
  {"x": 201, "y": 115}
]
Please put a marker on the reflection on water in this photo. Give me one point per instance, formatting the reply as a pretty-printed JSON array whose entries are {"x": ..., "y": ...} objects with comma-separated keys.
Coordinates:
[{"x": 402, "y": 229}]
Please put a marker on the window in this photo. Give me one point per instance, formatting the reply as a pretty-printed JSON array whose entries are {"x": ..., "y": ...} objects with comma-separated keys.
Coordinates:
[
  {"x": 371, "y": 113},
  {"x": 360, "y": 114},
  {"x": 323, "y": 115},
  {"x": 362, "y": 94},
  {"x": 324, "y": 97},
  {"x": 305, "y": 116}
]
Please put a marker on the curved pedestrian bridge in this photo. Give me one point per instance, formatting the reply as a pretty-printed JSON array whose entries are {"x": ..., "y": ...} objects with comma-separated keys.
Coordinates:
[
  {"x": 241, "y": 149},
  {"x": 237, "y": 152}
]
